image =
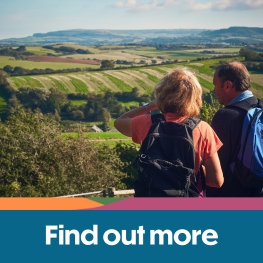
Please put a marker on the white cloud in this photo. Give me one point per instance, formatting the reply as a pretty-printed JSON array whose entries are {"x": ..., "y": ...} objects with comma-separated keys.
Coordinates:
[
  {"x": 191, "y": 5},
  {"x": 133, "y": 5},
  {"x": 127, "y": 3},
  {"x": 237, "y": 4},
  {"x": 198, "y": 6}
]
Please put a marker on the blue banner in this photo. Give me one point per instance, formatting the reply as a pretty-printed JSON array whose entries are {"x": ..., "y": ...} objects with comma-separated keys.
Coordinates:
[{"x": 131, "y": 236}]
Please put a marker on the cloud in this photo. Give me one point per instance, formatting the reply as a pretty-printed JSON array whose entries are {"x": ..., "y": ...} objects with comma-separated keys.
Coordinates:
[
  {"x": 198, "y": 6},
  {"x": 134, "y": 5},
  {"x": 237, "y": 4},
  {"x": 191, "y": 5}
]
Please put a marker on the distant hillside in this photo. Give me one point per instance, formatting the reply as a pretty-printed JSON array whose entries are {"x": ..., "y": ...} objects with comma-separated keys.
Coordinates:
[
  {"x": 232, "y": 35},
  {"x": 98, "y": 37}
]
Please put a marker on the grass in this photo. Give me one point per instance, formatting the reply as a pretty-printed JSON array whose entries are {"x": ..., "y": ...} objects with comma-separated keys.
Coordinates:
[
  {"x": 99, "y": 83},
  {"x": 59, "y": 85},
  {"x": 206, "y": 84},
  {"x": 131, "y": 103},
  {"x": 158, "y": 69},
  {"x": 80, "y": 86},
  {"x": 33, "y": 82},
  {"x": 39, "y": 50},
  {"x": 118, "y": 82},
  {"x": 19, "y": 81},
  {"x": 97, "y": 135},
  {"x": 102, "y": 138},
  {"x": 150, "y": 77},
  {"x": 78, "y": 102},
  {"x": 257, "y": 86},
  {"x": 42, "y": 65},
  {"x": 105, "y": 135},
  {"x": 144, "y": 85}
]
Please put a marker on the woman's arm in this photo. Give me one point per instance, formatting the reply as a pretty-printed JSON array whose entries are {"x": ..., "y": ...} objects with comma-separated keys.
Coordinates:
[
  {"x": 213, "y": 175},
  {"x": 124, "y": 123}
]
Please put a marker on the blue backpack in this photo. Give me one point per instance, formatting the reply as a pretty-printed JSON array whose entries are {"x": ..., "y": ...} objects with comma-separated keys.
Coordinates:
[{"x": 248, "y": 166}]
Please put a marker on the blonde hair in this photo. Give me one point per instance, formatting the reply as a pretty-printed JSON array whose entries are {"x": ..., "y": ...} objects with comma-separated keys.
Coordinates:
[{"x": 179, "y": 92}]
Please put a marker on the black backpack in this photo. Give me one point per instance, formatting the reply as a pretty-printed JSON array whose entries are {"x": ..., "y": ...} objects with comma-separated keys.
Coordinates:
[{"x": 166, "y": 160}]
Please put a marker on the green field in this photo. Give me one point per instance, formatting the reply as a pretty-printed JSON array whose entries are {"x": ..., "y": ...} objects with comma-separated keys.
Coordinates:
[
  {"x": 108, "y": 138},
  {"x": 144, "y": 78},
  {"x": 38, "y": 50},
  {"x": 4, "y": 60}
]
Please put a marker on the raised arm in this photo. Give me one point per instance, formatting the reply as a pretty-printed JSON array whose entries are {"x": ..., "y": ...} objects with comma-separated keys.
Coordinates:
[{"x": 124, "y": 123}]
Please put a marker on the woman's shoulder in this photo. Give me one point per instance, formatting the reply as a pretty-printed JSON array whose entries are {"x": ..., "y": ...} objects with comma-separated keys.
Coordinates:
[
  {"x": 203, "y": 125},
  {"x": 204, "y": 128}
]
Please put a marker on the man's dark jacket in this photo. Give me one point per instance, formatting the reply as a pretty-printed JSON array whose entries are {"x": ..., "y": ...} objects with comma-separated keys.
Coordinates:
[{"x": 227, "y": 123}]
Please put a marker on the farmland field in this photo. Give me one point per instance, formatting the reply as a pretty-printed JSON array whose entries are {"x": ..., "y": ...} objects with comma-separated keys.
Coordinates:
[
  {"x": 144, "y": 78},
  {"x": 4, "y": 60},
  {"x": 108, "y": 138},
  {"x": 61, "y": 60}
]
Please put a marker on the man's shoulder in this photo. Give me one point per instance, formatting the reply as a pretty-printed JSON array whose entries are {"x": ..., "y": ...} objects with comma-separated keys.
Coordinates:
[
  {"x": 228, "y": 117},
  {"x": 227, "y": 112},
  {"x": 245, "y": 104},
  {"x": 231, "y": 111}
]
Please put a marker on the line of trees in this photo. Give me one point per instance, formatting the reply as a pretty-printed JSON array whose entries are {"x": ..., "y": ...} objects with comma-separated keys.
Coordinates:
[
  {"x": 68, "y": 50},
  {"x": 15, "y": 52},
  {"x": 253, "y": 59},
  {"x": 20, "y": 71}
]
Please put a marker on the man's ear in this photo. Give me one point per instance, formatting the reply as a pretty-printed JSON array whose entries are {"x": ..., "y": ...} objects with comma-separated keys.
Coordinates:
[{"x": 228, "y": 85}]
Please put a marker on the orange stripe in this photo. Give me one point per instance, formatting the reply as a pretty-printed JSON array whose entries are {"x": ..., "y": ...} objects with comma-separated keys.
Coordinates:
[{"x": 32, "y": 203}]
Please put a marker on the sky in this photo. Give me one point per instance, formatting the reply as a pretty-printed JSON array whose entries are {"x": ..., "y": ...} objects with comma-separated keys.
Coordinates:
[{"x": 22, "y": 18}]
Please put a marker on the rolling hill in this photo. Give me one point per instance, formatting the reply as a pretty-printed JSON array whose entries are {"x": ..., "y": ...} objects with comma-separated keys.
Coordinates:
[{"x": 102, "y": 37}]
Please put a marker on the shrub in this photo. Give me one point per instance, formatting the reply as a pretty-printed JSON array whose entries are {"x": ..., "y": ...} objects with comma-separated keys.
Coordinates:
[{"x": 36, "y": 161}]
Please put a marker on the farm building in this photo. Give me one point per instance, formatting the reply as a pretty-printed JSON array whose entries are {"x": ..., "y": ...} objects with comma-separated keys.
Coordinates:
[{"x": 94, "y": 128}]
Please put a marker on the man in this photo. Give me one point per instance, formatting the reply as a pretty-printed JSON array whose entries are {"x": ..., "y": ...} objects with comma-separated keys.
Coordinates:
[{"x": 232, "y": 84}]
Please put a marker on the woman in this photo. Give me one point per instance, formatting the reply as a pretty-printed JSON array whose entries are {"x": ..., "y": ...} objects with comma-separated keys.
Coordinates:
[{"x": 178, "y": 96}]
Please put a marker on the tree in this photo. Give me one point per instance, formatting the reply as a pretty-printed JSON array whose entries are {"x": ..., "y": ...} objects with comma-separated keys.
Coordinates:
[
  {"x": 13, "y": 101},
  {"x": 21, "y": 48},
  {"x": 103, "y": 115},
  {"x": 36, "y": 160},
  {"x": 8, "y": 69},
  {"x": 77, "y": 115},
  {"x": 107, "y": 64}
]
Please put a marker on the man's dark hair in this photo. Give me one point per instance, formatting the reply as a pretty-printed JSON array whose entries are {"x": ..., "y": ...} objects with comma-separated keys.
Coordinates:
[{"x": 236, "y": 72}]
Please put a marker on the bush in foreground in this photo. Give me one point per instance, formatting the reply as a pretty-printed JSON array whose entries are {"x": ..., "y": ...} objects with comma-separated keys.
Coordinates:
[{"x": 36, "y": 161}]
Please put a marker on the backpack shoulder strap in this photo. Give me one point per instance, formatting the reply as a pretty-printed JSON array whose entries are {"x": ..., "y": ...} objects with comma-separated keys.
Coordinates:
[
  {"x": 247, "y": 104},
  {"x": 260, "y": 103},
  {"x": 192, "y": 122},
  {"x": 157, "y": 117}
]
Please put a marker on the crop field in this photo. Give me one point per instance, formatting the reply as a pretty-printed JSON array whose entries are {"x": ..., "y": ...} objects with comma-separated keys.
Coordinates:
[
  {"x": 62, "y": 60},
  {"x": 136, "y": 54},
  {"x": 4, "y": 60},
  {"x": 110, "y": 55},
  {"x": 231, "y": 50},
  {"x": 118, "y": 80},
  {"x": 144, "y": 78}
]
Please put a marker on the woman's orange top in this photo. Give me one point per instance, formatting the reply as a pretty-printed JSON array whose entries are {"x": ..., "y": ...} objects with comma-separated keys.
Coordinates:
[{"x": 206, "y": 142}]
